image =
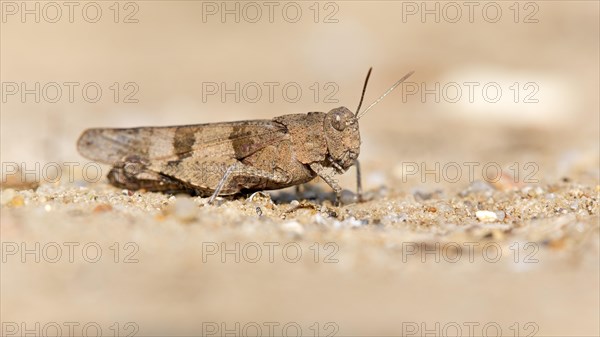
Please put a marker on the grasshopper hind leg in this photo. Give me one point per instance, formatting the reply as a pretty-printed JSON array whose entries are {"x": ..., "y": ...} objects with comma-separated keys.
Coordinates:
[
  {"x": 147, "y": 180},
  {"x": 132, "y": 174}
]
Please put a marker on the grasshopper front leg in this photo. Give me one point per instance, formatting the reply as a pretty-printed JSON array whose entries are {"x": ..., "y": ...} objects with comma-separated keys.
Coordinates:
[
  {"x": 320, "y": 171},
  {"x": 359, "y": 193}
]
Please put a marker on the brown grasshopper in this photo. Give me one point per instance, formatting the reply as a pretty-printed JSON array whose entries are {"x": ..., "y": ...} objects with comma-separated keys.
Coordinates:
[{"x": 232, "y": 157}]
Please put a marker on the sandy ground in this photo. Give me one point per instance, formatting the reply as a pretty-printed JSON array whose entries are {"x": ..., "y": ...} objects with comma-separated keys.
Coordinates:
[
  {"x": 401, "y": 263},
  {"x": 509, "y": 246}
]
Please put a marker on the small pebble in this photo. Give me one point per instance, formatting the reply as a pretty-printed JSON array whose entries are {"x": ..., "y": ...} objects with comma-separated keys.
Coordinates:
[
  {"x": 486, "y": 216},
  {"x": 261, "y": 197},
  {"x": 17, "y": 201},
  {"x": 102, "y": 208},
  {"x": 505, "y": 182},
  {"x": 7, "y": 196},
  {"x": 354, "y": 223},
  {"x": 348, "y": 197},
  {"x": 293, "y": 227},
  {"x": 431, "y": 209}
]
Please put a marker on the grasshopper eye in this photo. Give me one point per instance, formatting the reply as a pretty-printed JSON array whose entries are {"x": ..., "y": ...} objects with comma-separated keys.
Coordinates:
[{"x": 338, "y": 123}]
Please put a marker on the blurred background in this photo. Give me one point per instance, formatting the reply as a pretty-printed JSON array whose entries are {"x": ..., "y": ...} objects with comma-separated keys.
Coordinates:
[
  {"x": 504, "y": 82},
  {"x": 166, "y": 63}
]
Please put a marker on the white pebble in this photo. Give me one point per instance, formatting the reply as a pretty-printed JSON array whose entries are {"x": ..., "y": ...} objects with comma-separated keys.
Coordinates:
[
  {"x": 7, "y": 195},
  {"x": 293, "y": 227},
  {"x": 486, "y": 216},
  {"x": 352, "y": 222}
]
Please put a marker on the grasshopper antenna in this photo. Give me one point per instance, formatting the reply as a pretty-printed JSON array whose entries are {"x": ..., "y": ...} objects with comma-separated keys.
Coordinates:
[
  {"x": 385, "y": 94},
  {"x": 362, "y": 96}
]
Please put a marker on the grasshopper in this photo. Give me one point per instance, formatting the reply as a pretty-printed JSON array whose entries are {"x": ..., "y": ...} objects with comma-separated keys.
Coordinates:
[{"x": 233, "y": 157}]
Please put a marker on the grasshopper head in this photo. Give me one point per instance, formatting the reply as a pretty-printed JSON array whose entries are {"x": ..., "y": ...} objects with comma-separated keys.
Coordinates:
[
  {"x": 341, "y": 130},
  {"x": 343, "y": 138}
]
